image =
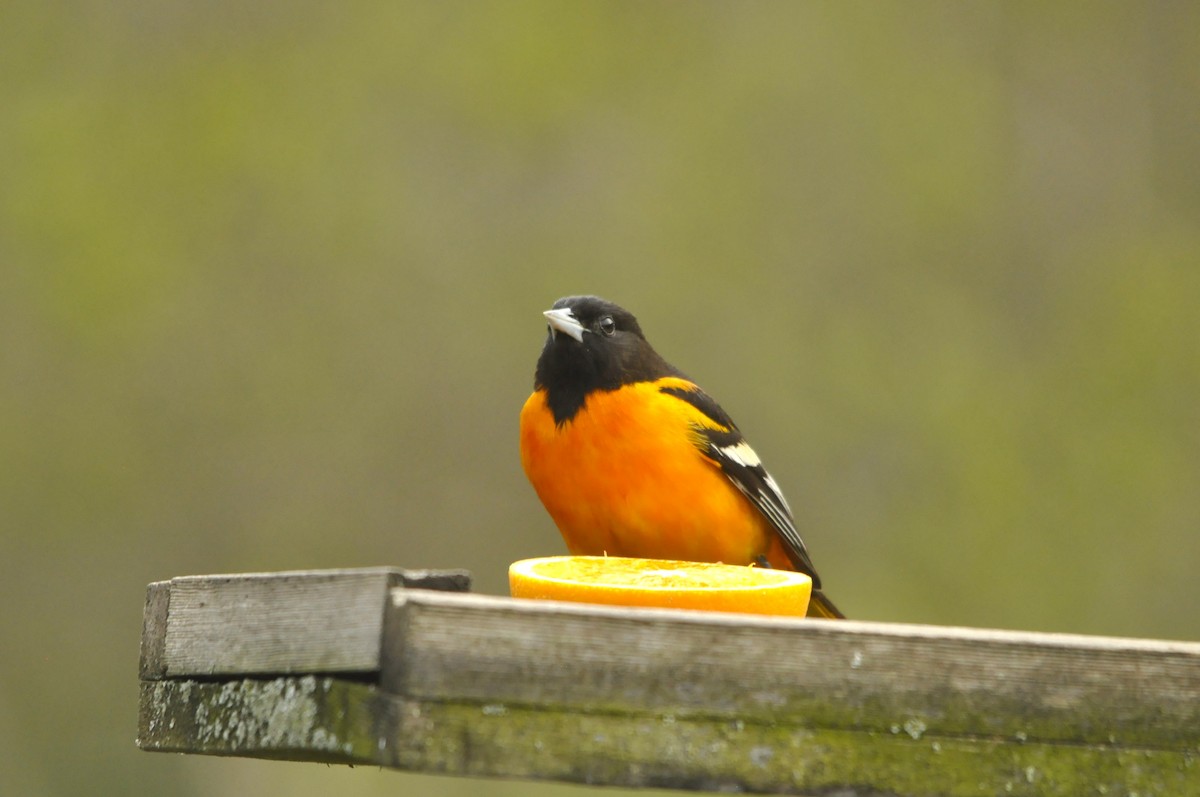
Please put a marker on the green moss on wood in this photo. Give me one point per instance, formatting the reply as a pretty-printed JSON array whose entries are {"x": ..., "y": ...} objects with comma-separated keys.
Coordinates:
[
  {"x": 311, "y": 717},
  {"x": 708, "y": 755},
  {"x": 331, "y": 720}
]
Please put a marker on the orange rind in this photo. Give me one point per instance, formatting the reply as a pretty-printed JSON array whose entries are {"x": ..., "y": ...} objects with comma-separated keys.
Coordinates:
[{"x": 661, "y": 583}]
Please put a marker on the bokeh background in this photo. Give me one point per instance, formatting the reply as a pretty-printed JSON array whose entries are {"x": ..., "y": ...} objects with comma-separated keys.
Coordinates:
[{"x": 271, "y": 278}]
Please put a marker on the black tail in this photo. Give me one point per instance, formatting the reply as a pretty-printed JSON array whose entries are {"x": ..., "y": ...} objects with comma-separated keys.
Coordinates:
[{"x": 820, "y": 606}]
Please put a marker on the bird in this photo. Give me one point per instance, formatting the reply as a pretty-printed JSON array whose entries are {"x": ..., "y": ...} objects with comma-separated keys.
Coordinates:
[{"x": 631, "y": 458}]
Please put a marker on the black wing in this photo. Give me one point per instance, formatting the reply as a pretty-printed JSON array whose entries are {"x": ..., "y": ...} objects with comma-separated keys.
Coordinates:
[{"x": 726, "y": 447}]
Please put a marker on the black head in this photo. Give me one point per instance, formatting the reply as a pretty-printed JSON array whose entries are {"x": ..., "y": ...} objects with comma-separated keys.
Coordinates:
[{"x": 592, "y": 345}]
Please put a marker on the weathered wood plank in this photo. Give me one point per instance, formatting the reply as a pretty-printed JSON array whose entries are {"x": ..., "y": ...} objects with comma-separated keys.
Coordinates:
[
  {"x": 304, "y": 718},
  {"x": 269, "y": 623},
  {"x": 711, "y": 754},
  {"x": 152, "y": 662},
  {"x": 313, "y": 718},
  {"x": 484, "y": 686},
  {"x": 853, "y": 676}
]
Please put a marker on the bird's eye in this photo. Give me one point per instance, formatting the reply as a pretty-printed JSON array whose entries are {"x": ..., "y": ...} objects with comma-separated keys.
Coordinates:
[{"x": 607, "y": 325}]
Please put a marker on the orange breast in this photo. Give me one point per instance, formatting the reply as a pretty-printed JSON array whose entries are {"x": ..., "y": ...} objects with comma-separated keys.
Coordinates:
[{"x": 624, "y": 478}]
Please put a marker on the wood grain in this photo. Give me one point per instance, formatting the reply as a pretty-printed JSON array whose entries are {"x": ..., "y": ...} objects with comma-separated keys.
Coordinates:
[
  {"x": 453, "y": 683},
  {"x": 271, "y": 623},
  {"x": 952, "y": 682},
  {"x": 315, "y": 718},
  {"x": 152, "y": 662}
]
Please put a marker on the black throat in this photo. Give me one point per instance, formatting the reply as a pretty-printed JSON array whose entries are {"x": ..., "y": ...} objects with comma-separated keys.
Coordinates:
[
  {"x": 567, "y": 377},
  {"x": 569, "y": 371}
]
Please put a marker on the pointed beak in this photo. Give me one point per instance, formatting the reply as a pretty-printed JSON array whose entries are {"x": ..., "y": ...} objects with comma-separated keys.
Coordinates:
[{"x": 563, "y": 320}]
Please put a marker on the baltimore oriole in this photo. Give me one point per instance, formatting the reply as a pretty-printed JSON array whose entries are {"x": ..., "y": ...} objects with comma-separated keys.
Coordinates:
[{"x": 631, "y": 458}]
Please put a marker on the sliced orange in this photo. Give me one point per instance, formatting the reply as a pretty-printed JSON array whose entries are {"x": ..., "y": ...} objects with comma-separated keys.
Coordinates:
[{"x": 662, "y": 583}]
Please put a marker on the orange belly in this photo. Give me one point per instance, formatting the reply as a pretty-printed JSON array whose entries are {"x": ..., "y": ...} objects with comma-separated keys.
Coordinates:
[{"x": 624, "y": 478}]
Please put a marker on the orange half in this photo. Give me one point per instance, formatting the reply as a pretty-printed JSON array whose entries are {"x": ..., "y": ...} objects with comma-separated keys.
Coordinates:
[{"x": 662, "y": 583}]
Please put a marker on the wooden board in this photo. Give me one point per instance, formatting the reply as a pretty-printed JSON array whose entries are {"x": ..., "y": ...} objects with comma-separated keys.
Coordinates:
[
  {"x": 877, "y": 677},
  {"x": 315, "y": 718},
  {"x": 302, "y": 718},
  {"x": 326, "y": 621},
  {"x": 484, "y": 686}
]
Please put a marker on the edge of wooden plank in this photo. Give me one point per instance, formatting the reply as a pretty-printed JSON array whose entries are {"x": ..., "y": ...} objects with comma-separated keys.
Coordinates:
[
  {"x": 439, "y": 580},
  {"x": 849, "y": 675},
  {"x": 448, "y": 580},
  {"x": 151, "y": 661},
  {"x": 300, "y": 718},
  {"x": 313, "y": 718},
  {"x": 865, "y": 628},
  {"x": 279, "y": 622},
  {"x": 712, "y": 754}
]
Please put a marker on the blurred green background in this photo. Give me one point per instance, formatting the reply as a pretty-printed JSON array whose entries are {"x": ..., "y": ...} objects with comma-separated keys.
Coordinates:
[{"x": 271, "y": 278}]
